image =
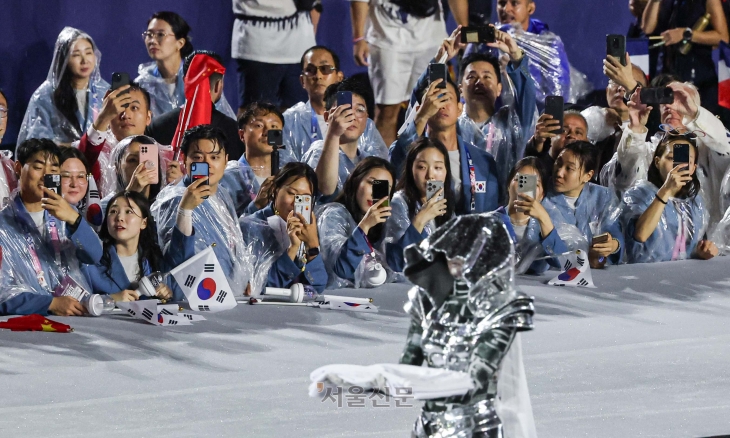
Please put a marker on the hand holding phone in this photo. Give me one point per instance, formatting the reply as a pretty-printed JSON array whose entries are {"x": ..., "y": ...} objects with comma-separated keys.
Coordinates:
[
  {"x": 437, "y": 71},
  {"x": 680, "y": 153},
  {"x": 303, "y": 206},
  {"x": 344, "y": 98},
  {"x": 199, "y": 171},
  {"x": 148, "y": 154},
  {"x": 381, "y": 189},
  {"x": 554, "y": 107}
]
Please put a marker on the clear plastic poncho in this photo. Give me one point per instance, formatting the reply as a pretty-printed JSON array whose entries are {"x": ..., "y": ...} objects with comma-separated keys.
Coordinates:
[
  {"x": 299, "y": 123},
  {"x": 335, "y": 225},
  {"x": 398, "y": 223},
  {"x": 266, "y": 246},
  {"x": 8, "y": 179},
  {"x": 161, "y": 101},
  {"x": 371, "y": 146},
  {"x": 18, "y": 274},
  {"x": 503, "y": 135},
  {"x": 549, "y": 66},
  {"x": 240, "y": 182},
  {"x": 112, "y": 179},
  {"x": 680, "y": 229},
  {"x": 42, "y": 118},
  {"x": 598, "y": 127},
  {"x": 214, "y": 221}
]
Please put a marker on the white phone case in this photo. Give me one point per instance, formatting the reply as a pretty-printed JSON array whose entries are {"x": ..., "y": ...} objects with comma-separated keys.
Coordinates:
[{"x": 303, "y": 206}]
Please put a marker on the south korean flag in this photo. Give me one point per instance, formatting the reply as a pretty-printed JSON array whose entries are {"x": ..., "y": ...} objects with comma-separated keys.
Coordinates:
[
  {"x": 576, "y": 271},
  {"x": 204, "y": 284}
]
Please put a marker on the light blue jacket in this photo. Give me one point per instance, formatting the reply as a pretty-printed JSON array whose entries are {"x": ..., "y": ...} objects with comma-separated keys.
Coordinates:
[
  {"x": 301, "y": 129},
  {"x": 596, "y": 206},
  {"x": 21, "y": 292},
  {"x": 660, "y": 245}
]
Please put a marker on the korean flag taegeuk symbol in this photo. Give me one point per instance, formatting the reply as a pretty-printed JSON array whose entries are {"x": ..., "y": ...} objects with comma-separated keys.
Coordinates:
[{"x": 204, "y": 283}]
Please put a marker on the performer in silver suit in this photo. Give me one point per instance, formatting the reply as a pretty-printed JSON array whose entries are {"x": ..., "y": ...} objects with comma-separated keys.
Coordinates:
[{"x": 466, "y": 313}]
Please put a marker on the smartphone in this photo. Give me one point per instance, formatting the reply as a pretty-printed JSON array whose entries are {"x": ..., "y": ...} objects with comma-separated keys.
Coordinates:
[
  {"x": 149, "y": 155},
  {"x": 616, "y": 47},
  {"x": 681, "y": 153},
  {"x": 344, "y": 98},
  {"x": 432, "y": 187},
  {"x": 437, "y": 71},
  {"x": 381, "y": 189},
  {"x": 120, "y": 79},
  {"x": 554, "y": 106},
  {"x": 481, "y": 34},
  {"x": 274, "y": 137},
  {"x": 52, "y": 181},
  {"x": 527, "y": 184},
  {"x": 199, "y": 171},
  {"x": 303, "y": 206},
  {"x": 601, "y": 238},
  {"x": 656, "y": 96}
]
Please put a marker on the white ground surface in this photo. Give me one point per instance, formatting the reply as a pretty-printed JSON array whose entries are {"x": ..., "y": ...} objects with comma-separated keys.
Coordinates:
[{"x": 644, "y": 354}]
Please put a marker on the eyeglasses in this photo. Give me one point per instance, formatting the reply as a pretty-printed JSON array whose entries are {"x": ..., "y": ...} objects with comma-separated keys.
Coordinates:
[
  {"x": 326, "y": 70},
  {"x": 159, "y": 35},
  {"x": 3, "y": 112},
  {"x": 361, "y": 112},
  {"x": 670, "y": 131}
]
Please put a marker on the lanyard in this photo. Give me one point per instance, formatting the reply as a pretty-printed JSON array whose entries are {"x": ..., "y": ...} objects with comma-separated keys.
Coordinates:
[
  {"x": 314, "y": 134},
  {"x": 365, "y": 236},
  {"x": 37, "y": 267},
  {"x": 55, "y": 240},
  {"x": 472, "y": 179}
]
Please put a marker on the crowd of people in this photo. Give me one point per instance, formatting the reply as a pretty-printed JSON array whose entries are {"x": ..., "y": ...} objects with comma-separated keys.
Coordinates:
[{"x": 629, "y": 182}]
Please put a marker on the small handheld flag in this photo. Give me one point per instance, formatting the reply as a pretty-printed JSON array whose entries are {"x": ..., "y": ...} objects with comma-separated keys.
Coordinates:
[
  {"x": 576, "y": 271},
  {"x": 204, "y": 284}
]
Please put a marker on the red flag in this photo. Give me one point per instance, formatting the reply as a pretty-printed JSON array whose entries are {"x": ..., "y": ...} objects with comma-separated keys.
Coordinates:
[
  {"x": 198, "y": 106},
  {"x": 35, "y": 322}
]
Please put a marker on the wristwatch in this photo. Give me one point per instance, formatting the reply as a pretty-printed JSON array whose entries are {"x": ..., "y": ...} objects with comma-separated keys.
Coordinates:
[
  {"x": 687, "y": 35},
  {"x": 312, "y": 252}
]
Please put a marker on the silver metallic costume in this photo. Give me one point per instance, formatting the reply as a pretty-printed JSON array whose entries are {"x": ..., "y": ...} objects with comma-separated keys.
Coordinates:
[{"x": 466, "y": 313}]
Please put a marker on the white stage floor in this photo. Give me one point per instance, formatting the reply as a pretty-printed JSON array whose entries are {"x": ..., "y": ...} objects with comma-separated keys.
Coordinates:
[{"x": 644, "y": 354}]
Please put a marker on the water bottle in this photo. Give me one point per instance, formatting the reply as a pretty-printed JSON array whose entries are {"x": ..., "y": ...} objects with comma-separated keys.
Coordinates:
[
  {"x": 373, "y": 273},
  {"x": 148, "y": 285},
  {"x": 98, "y": 304}
]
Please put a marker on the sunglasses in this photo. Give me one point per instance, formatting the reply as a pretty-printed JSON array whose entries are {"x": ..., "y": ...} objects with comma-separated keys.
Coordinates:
[{"x": 311, "y": 70}]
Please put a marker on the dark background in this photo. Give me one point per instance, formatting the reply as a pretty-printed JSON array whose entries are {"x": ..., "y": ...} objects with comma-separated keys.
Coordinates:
[{"x": 28, "y": 31}]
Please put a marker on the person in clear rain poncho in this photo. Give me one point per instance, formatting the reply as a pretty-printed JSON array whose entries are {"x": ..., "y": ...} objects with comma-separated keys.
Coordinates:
[
  {"x": 353, "y": 226},
  {"x": 208, "y": 209},
  {"x": 665, "y": 215},
  {"x": 415, "y": 216},
  {"x": 344, "y": 146},
  {"x": 499, "y": 107},
  {"x": 285, "y": 243},
  {"x": 42, "y": 238},
  {"x": 168, "y": 43},
  {"x": 68, "y": 101}
]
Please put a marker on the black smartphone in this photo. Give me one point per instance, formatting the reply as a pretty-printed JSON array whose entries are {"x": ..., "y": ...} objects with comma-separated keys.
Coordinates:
[
  {"x": 554, "y": 106},
  {"x": 275, "y": 138},
  {"x": 656, "y": 96},
  {"x": 437, "y": 71},
  {"x": 381, "y": 189},
  {"x": 119, "y": 79},
  {"x": 681, "y": 153},
  {"x": 481, "y": 34},
  {"x": 52, "y": 181},
  {"x": 344, "y": 98},
  {"x": 199, "y": 171},
  {"x": 616, "y": 47}
]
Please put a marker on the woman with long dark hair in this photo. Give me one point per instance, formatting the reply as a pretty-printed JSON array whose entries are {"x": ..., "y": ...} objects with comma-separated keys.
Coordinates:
[
  {"x": 353, "y": 226},
  {"x": 69, "y": 100},
  {"x": 415, "y": 216},
  {"x": 131, "y": 251},
  {"x": 168, "y": 42},
  {"x": 284, "y": 241},
  {"x": 666, "y": 215}
]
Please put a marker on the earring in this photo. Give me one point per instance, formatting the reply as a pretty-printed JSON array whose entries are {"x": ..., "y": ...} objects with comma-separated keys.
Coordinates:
[{"x": 276, "y": 211}]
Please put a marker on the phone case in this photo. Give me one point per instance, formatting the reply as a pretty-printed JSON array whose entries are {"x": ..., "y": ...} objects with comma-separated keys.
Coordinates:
[
  {"x": 303, "y": 206},
  {"x": 601, "y": 238},
  {"x": 616, "y": 47},
  {"x": 432, "y": 187},
  {"x": 52, "y": 182},
  {"x": 554, "y": 107},
  {"x": 149, "y": 154},
  {"x": 527, "y": 184},
  {"x": 344, "y": 98},
  {"x": 681, "y": 153},
  {"x": 437, "y": 71}
]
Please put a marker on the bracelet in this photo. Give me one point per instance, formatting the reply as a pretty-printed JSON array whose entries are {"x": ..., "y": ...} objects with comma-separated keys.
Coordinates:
[
  {"x": 357, "y": 40},
  {"x": 660, "y": 199},
  {"x": 183, "y": 212},
  {"x": 619, "y": 246}
]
